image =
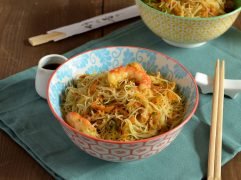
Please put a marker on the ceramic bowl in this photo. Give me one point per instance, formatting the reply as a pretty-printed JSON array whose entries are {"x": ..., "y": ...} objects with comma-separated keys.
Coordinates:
[
  {"x": 183, "y": 31},
  {"x": 104, "y": 59}
]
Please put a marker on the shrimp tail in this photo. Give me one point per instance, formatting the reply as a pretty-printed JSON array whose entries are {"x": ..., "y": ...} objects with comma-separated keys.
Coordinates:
[{"x": 81, "y": 124}]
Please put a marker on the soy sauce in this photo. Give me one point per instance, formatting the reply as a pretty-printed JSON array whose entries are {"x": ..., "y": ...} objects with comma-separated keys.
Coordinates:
[{"x": 51, "y": 66}]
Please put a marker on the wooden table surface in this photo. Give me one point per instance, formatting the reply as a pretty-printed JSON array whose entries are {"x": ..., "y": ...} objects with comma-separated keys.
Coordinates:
[{"x": 20, "y": 20}]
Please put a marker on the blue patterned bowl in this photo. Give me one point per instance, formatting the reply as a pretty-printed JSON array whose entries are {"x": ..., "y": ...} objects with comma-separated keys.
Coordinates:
[{"x": 104, "y": 59}]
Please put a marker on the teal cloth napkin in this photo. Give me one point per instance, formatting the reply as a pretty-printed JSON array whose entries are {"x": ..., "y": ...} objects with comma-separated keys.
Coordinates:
[{"x": 26, "y": 118}]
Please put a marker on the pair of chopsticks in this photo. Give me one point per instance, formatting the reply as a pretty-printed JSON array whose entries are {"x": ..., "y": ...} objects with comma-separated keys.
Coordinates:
[{"x": 215, "y": 143}]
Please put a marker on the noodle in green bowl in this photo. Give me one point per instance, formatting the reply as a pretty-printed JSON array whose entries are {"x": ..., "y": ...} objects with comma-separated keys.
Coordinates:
[{"x": 188, "y": 23}]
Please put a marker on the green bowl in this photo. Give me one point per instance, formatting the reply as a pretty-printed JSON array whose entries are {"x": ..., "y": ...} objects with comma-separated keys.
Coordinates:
[{"x": 184, "y": 31}]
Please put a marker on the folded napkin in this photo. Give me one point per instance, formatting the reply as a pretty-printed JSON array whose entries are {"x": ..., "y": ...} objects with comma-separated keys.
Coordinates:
[{"x": 26, "y": 118}]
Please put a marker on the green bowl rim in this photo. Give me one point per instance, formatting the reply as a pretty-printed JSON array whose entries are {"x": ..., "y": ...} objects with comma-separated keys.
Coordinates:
[{"x": 193, "y": 18}]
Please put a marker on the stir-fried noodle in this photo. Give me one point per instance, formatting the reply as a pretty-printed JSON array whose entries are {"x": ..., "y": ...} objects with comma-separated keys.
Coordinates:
[
  {"x": 193, "y": 8},
  {"x": 123, "y": 104}
]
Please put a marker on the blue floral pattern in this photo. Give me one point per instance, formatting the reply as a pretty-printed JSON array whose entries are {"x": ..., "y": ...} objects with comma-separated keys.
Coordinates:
[
  {"x": 116, "y": 53},
  {"x": 128, "y": 56},
  {"x": 166, "y": 72},
  {"x": 56, "y": 101},
  {"x": 104, "y": 58},
  {"x": 83, "y": 61},
  {"x": 100, "y": 60},
  {"x": 93, "y": 70},
  {"x": 147, "y": 59},
  {"x": 178, "y": 71},
  {"x": 66, "y": 72}
]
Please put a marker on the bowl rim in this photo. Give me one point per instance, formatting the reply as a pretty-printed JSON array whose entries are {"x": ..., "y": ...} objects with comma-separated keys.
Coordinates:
[
  {"x": 192, "y": 18},
  {"x": 64, "y": 123}
]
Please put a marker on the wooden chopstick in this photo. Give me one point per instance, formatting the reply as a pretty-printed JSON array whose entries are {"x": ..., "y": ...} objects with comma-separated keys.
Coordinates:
[
  {"x": 215, "y": 143},
  {"x": 217, "y": 165},
  {"x": 44, "y": 38},
  {"x": 212, "y": 141}
]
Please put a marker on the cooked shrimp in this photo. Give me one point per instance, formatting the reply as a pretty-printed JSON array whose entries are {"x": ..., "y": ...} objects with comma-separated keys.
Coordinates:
[
  {"x": 81, "y": 124},
  {"x": 101, "y": 107},
  {"x": 132, "y": 71},
  {"x": 137, "y": 66}
]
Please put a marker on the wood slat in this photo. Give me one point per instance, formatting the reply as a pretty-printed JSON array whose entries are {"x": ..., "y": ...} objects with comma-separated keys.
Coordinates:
[
  {"x": 23, "y": 19},
  {"x": 110, "y": 5}
]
